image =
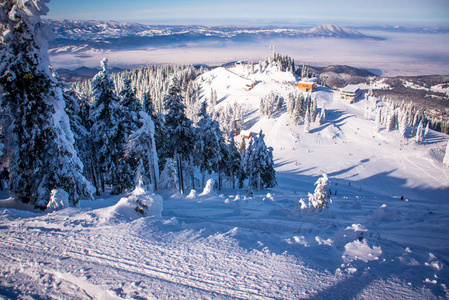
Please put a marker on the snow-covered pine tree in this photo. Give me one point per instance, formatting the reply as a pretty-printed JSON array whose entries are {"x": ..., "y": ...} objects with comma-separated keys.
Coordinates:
[
  {"x": 77, "y": 108},
  {"x": 213, "y": 98},
  {"x": 246, "y": 167},
  {"x": 208, "y": 143},
  {"x": 378, "y": 119},
  {"x": 446, "y": 156},
  {"x": 268, "y": 174},
  {"x": 160, "y": 132},
  {"x": 259, "y": 164},
  {"x": 402, "y": 124},
  {"x": 313, "y": 108},
  {"x": 169, "y": 178},
  {"x": 130, "y": 123},
  {"x": 233, "y": 159},
  {"x": 419, "y": 133},
  {"x": 391, "y": 121},
  {"x": 321, "y": 196},
  {"x": 148, "y": 106},
  {"x": 306, "y": 123},
  {"x": 107, "y": 132},
  {"x": 142, "y": 148},
  {"x": 131, "y": 107},
  {"x": 322, "y": 119},
  {"x": 426, "y": 131},
  {"x": 179, "y": 129},
  {"x": 40, "y": 142}
]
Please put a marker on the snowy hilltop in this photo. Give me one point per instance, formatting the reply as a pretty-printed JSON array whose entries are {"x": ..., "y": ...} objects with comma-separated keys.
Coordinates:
[{"x": 238, "y": 182}]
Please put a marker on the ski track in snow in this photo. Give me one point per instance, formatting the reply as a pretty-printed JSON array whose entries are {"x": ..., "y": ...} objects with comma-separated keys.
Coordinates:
[{"x": 367, "y": 245}]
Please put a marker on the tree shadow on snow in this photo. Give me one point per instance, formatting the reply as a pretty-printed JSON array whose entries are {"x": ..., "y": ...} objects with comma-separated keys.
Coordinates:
[
  {"x": 334, "y": 117},
  {"x": 250, "y": 122}
]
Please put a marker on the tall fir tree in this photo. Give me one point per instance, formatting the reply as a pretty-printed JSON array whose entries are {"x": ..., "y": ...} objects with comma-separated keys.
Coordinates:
[
  {"x": 208, "y": 143},
  {"x": 77, "y": 108},
  {"x": 160, "y": 131},
  {"x": 107, "y": 132},
  {"x": 39, "y": 140},
  {"x": 169, "y": 178},
  {"x": 259, "y": 164},
  {"x": 127, "y": 166},
  {"x": 179, "y": 129},
  {"x": 142, "y": 148},
  {"x": 306, "y": 123},
  {"x": 232, "y": 160},
  {"x": 446, "y": 156}
]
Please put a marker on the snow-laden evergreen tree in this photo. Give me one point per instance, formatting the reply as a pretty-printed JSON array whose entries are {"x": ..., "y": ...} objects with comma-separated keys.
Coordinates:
[
  {"x": 179, "y": 128},
  {"x": 131, "y": 107},
  {"x": 213, "y": 98},
  {"x": 246, "y": 167},
  {"x": 446, "y": 156},
  {"x": 426, "y": 131},
  {"x": 391, "y": 121},
  {"x": 321, "y": 196},
  {"x": 230, "y": 118},
  {"x": 108, "y": 134},
  {"x": 148, "y": 106},
  {"x": 160, "y": 132},
  {"x": 142, "y": 148},
  {"x": 313, "y": 109},
  {"x": 419, "y": 137},
  {"x": 208, "y": 143},
  {"x": 378, "y": 119},
  {"x": 77, "y": 108},
  {"x": 306, "y": 123},
  {"x": 322, "y": 118},
  {"x": 130, "y": 123},
  {"x": 259, "y": 164},
  {"x": 402, "y": 124},
  {"x": 271, "y": 103},
  {"x": 39, "y": 141},
  {"x": 169, "y": 178},
  {"x": 232, "y": 160}
]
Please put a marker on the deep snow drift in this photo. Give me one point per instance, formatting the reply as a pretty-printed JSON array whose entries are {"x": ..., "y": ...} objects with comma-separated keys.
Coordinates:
[{"x": 369, "y": 244}]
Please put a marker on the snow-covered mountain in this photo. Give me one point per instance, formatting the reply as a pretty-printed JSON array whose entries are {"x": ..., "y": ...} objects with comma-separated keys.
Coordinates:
[
  {"x": 329, "y": 30},
  {"x": 77, "y": 36},
  {"x": 370, "y": 243}
]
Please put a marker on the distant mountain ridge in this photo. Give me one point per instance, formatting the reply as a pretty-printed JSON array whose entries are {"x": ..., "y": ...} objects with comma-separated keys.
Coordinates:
[{"x": 78, "y": 36}]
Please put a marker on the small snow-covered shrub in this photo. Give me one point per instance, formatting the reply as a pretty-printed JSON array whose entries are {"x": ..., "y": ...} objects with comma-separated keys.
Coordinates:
[
  {"x": 209, "y": 188},
  {"x": 321, "y": 197},
  {"x": 192, "y": 194},
  {"x": 59, "y": 199}
]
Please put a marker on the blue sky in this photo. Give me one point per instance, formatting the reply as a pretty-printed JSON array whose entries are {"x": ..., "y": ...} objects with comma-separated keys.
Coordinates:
[{"x": 391, "y": 12}]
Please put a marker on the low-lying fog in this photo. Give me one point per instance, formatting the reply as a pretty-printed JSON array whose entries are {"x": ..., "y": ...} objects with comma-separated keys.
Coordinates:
[{"x": 398, "y": 54}]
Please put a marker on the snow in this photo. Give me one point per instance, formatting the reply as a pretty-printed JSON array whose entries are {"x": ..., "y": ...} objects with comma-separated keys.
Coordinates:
[
  {"x": 360, "y": 250},
  {"x": 350, "y": 88},
  {"x": 59, "y": 199},
  {"x": 368, "y": 244},
  {"x": 209, "y": 188}
]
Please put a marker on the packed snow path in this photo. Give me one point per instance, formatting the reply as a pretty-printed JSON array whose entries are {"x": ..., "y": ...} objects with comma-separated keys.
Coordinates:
[{"x": 211, "y": 250}]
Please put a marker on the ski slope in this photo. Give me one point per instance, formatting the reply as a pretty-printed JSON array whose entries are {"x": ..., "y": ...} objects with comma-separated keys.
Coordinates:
[{"x": 369, "y": 244}]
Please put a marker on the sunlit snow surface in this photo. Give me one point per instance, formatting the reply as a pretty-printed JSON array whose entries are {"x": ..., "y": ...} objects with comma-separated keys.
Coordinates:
[{"x": 369, "y": 244}]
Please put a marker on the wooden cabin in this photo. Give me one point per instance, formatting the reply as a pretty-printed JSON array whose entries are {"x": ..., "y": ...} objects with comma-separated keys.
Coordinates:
[
  {"x": 350, "y": 93},
  {"x": 307, "y": 86}
]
